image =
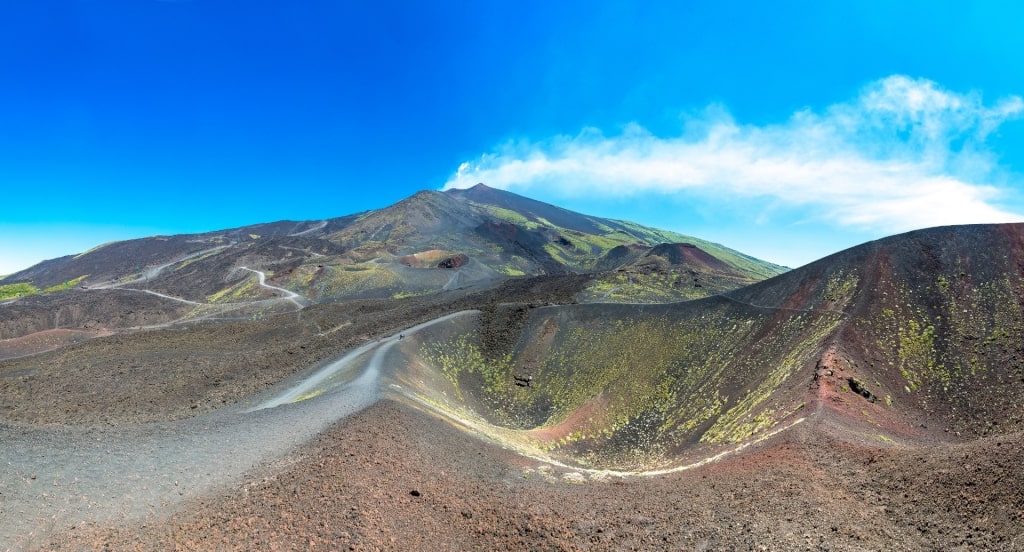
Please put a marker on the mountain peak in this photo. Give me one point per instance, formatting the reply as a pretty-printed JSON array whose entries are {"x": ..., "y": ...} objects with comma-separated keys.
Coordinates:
[
  {"x": 502, "y": 233},
  {"x": 478, "y": 191}
]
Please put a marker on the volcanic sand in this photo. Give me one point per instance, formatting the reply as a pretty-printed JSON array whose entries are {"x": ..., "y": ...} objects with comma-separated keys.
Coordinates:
[{"x": 393, "y": 476}]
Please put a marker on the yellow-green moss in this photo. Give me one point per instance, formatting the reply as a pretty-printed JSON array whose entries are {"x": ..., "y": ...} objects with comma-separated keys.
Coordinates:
[
  {"x": 12, "y": 291},
  {"x": 840, "y": 287},
  {"x": 744, "y": 418},
  {"x": 462, "y": 354},
  {"x": 918, "y": 359},
  {"x": 410, "y": 293},
  {"x": 66, "y": 285},
  {"x": 340, "y": 280},
  {"x": 509, "y": 270},
  {"x": 512, "y": 216},
  {"x": 204, "y": 256},
  {"x": 247, "y": 289}
]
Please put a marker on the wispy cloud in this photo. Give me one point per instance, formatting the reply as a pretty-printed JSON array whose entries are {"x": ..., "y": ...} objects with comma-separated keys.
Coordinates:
[{"x": 905, "y": 153}]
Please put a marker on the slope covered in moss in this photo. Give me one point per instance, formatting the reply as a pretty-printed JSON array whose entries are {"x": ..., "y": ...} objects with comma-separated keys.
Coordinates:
[{"x": 918, "y": 331}]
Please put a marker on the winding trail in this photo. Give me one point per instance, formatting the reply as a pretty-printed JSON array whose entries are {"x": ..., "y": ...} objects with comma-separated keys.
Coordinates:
[
  {"x": 289, "y": 295},
  {"x": 218, "y": 308},
  {"x": 155, "y": 271},
  {"x": 171, "y": 297},
  {"x": 55, "y": 478},
  {"x": 300, "y": 250},
  {"x": 322, "y": 378},
  {"x": 319, "y": 226}
]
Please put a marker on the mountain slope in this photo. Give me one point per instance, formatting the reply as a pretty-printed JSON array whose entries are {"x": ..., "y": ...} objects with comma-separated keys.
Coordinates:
[
  {"x": 665, "y": 273},
  {"x": 427, "y": 243},
  {"x": 528, "y": 212},
  {"x": 912, "y": 338},
  {"x": 882, "y": 383}
]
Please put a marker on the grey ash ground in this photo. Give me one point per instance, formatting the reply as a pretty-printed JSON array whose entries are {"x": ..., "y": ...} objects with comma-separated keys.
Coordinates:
[
  {"x": 393, "y": 478},
  {"x": 896, "y": 424},
  {"x": 396, "y": 478}
]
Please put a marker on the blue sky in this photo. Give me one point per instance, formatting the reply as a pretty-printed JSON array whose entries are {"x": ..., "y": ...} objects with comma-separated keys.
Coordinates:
[{"x": 787, "y": 130}]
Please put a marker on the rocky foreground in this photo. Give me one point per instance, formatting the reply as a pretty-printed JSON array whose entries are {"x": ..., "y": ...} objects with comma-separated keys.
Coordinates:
[{"x": 394, "y": 478}]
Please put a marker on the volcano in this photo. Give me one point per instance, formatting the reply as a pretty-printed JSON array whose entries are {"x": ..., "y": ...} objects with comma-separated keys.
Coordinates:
[
  {"x": 430, "y": 243},
  {"x": 869, "y": 400}
]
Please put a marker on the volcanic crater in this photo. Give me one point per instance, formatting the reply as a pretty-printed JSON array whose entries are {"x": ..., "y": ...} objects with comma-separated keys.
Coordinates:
[{"x": 869, "y": 400}]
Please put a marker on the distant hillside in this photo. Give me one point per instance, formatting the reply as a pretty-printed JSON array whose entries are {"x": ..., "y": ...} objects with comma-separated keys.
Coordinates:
[
  {"x": 665, "y": 273},
  {"x": 428, "y": 243}
]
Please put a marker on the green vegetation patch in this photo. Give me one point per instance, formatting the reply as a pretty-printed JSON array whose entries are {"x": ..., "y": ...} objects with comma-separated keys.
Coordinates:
[
  {"x": 509, "y": 269},
  {"x": 406, "y": 294},
  {"x": 462, "y": 355},
  {"x": 13, "y": 291},
  {"x": 193, "y": 260},
  {"x": 744, "y": 418},
  {"x": 840, "y": 287},
  {"x": 24, "y": 289},
  {"x": 348, "y": 280},
  {"x": 657, "y": 287},
  {"x": 908, "y": 337},
  {"x": 66, "y": 285},
  {"x": 950, "y": 331},
  {"x": 248, "y": 289},
  {"x": 508, "y": 215},
  {"x": 474, "y": 374},
  {"x": 629, "y": 362},
  {"x": 309, "y": 395},
  {"x": 918, "y": 358}
]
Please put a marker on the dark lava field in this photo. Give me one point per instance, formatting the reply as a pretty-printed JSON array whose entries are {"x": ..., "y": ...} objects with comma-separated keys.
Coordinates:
[{"x": 358, "y": 385}]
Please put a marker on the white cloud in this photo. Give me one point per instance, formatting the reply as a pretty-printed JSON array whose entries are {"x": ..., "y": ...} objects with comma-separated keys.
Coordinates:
[{"x": 904, "y": 154}]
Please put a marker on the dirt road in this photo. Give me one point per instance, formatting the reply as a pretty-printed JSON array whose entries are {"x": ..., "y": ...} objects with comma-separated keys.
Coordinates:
[{"x": 61, "y": 477}]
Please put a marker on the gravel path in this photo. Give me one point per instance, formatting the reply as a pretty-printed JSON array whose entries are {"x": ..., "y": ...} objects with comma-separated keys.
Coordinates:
[
  {"x": 55, "y": 478},
  {"x": 299, "y": 300}
]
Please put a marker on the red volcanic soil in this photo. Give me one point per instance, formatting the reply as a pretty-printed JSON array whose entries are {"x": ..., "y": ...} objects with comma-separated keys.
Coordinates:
[
  {"x": 434, "y": 259},
  {"x": 689, "y": 255},
  {"x": 393, "y": 478}
]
